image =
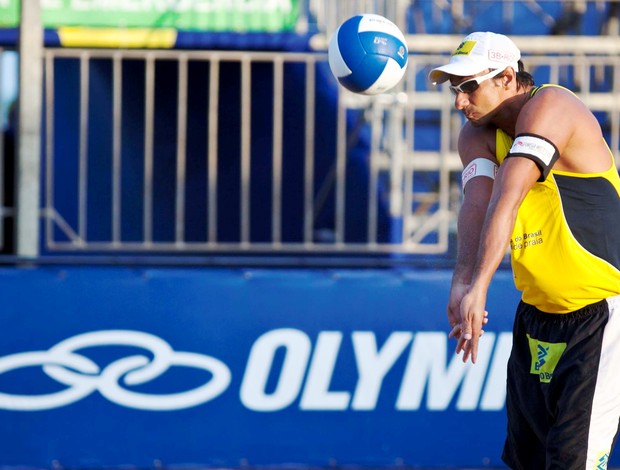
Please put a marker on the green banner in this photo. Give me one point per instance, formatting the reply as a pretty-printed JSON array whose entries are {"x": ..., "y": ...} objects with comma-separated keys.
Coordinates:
[{"x": 196, "y": 15}]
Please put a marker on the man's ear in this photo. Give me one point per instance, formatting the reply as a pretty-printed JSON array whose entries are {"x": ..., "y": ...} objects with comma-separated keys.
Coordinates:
[{"x": 508, "y": 76}]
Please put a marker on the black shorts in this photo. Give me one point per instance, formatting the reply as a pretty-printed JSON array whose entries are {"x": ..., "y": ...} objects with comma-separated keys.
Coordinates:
[{"x": 563, "y": 388}]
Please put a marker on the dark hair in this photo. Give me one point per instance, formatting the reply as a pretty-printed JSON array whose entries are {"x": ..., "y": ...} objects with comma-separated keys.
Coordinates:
[{"x": 524, "y": 79}]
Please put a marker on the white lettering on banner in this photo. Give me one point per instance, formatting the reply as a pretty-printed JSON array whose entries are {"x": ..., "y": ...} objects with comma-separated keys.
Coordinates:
[
  {"x": 296, "y": 345},
  {"x": 431, "y": 376},
  {"x": 373, "y": 364},
  {"x": 425, "y": 371},
  {"x": 317, "y": 395},
  {"x": 175, "y": 6},
  {"x": 494, "y": 395}
]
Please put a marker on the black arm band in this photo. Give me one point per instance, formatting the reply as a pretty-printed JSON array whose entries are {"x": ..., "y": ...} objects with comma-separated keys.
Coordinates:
[{"x": 541, "y": 151}]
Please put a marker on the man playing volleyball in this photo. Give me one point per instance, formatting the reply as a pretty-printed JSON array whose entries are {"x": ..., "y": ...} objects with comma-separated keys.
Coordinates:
[{"x": 540, "y": 179}]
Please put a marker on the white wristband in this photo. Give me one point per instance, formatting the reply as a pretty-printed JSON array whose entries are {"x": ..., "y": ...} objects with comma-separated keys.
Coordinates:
[{"x": 479, "y": 167}]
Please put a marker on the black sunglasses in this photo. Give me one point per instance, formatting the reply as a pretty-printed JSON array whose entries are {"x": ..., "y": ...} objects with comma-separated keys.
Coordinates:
[{"x": 471, "y": 85}]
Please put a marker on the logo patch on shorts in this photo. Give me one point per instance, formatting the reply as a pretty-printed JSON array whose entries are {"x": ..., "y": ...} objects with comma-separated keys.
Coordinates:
[
  {"x": 601, "y": 461},
  {"x": 545, "y": 357}
]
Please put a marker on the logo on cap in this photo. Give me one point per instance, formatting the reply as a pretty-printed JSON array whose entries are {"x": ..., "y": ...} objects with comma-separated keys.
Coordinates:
[
  {"x": 465, "y": 48},
  {"x": 501, "y": 56}
]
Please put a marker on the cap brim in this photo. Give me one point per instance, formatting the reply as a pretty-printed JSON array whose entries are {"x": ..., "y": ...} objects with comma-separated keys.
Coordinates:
[{"x": 460, "y": 69}]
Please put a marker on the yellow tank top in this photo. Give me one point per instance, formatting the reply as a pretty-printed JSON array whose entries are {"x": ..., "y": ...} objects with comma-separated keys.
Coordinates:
[{"x": 565, "y": 247}]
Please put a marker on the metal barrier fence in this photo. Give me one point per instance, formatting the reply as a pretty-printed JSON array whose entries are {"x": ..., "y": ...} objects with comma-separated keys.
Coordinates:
[
  {"x": 340, "y": 173},
  {"x": 255, "y": 152},
  {"x": 328, "y": 187}
]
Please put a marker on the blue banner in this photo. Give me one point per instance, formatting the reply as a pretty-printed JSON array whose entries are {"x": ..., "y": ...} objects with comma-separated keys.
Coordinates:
[{"x": 109, "y": 367}]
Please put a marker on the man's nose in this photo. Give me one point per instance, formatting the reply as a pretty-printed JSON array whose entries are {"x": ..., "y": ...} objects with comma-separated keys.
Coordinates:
[{"x": 460, "y": 100}]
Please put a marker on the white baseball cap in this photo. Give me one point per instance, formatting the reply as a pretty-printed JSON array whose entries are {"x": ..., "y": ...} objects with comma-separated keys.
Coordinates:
[{"x": 478, "y": 51}]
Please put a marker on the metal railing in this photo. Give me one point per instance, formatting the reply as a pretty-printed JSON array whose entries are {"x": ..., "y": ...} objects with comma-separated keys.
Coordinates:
[
  {"x": 255, "y": 152},
  {"x": 325, "y": 194},
  {"x": 384, "y": 193}
]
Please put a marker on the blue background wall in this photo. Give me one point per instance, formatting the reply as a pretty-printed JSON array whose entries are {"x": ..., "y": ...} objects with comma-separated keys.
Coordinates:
[
  {"x": 267, "y": 367},
  {"x": 351, "y": 367}
]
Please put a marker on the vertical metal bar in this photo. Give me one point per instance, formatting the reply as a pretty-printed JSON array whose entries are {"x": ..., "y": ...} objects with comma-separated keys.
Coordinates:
[
  {"x": 508, "y": 13},
  {"x": 334, "y": 13},
  {"x": 397, "y": 208},
  {"x": 444, "y": 202},
  {"x": 83, "y": 148},
  {"x": 615, "y": 134},
  {"x": 276, "y": 185},
  {"x": 400, "y": 14},
  {"x": 309, "y": 151},
  {"x": 615, "y": 114},
  {"x": 444, "y": 176},
  {"x": 376, "y": 130},
  {"x": 409, "y": 152},
  {"x": 117, "y": 122},
  {"x": 341, "y": 160},
  {"x": 437, "y": 12},
  {"x": 246, "y": 123},
  {"x": 3, "y": 210},
  {"x": 49, "y": 146},
  {"x": 457, "y": 10},
  {"x": 149, "y": 108},
  {"x": 214, "y": 86},
  {"x": 181, "y": 150},
  {"x": 554, "y": 70},
  {"x": 582, "y": 68},
  {"x": 28, "y": 166}
]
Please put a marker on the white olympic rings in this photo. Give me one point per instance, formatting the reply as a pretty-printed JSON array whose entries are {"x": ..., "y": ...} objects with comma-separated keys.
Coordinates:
[{"x": 83, "y": 376}]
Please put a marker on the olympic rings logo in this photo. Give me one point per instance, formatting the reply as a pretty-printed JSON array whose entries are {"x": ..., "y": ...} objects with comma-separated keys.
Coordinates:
[{"x": 82, "y": 376}]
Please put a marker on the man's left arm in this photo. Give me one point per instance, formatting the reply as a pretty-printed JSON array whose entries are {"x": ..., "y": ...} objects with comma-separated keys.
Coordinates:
[{"x": 514, "y": 179}]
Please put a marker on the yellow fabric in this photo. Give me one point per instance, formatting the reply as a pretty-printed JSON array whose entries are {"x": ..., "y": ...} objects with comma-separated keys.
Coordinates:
[
  {"x": 163, "y": 38},
  {"x": 553, "y": 270},
  {"x": 503, "y": 142}
]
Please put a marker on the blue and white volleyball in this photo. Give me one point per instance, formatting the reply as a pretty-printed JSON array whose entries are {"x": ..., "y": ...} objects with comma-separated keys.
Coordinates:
[{"x": 368, "y": 54}]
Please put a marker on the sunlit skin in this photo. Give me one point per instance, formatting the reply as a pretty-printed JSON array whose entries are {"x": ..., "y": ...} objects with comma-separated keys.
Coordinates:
[
  {"x": 489, "y": 208},
  {"x": 491, "y": 103}
]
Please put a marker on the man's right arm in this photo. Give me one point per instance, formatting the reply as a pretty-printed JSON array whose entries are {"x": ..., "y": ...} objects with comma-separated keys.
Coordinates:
[{"x": 474, "y": 143}]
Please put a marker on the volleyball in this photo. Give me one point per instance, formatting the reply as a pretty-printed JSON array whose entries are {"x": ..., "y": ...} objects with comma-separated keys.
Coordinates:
[{"x": 368, "y": 54}]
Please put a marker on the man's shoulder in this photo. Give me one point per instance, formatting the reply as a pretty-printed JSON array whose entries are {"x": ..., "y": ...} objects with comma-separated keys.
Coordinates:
[
  {"x": 549, "y": 94},
  {"x": 470, "y": 131},
  {"x": 555, "y": 106},
  {"x": 477, "y": 141},
  {"x": 549, "y": 87}
]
